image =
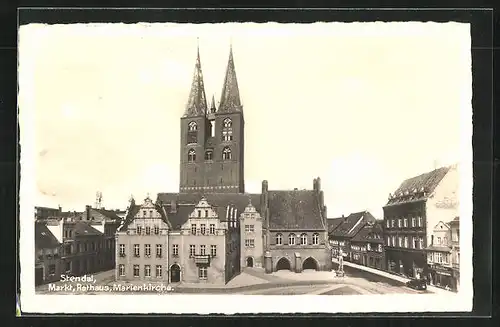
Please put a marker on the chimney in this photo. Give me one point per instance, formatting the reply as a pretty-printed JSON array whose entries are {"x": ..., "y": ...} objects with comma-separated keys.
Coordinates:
[
  {"x": 317, "y": 184},
  {"x": 173, "y": 206},
  {"x": 87, "y": 212}
]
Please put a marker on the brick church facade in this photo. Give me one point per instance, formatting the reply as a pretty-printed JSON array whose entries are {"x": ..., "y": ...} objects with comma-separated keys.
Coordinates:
[{"x": 273, "y": 229}]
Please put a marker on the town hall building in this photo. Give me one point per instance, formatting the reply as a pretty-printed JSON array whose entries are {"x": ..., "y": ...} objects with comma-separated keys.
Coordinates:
[{"x": 212, "y": 228}]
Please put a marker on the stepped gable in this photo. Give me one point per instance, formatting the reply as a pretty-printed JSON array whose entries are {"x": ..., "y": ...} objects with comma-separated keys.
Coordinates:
[{"x": 298, "y": 209}]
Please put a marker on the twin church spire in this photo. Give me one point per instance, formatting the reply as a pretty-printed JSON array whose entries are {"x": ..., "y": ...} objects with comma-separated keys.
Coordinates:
[{"x": 230, "y": 97}]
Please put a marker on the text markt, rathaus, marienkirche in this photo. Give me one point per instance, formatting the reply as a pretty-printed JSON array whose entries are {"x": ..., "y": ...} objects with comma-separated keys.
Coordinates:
[{"x": 212, "y": 228}]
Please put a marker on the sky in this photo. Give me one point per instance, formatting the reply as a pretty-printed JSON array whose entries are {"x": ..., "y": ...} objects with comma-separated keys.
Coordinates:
[{"x": 363, "y": 106}]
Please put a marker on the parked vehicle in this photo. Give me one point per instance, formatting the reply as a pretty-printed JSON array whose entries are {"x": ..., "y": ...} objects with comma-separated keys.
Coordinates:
[{"x": 417, "y": 284}]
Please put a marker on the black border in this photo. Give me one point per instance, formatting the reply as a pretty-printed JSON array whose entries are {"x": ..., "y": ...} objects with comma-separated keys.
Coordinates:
[{"x": 482, "y": 58}]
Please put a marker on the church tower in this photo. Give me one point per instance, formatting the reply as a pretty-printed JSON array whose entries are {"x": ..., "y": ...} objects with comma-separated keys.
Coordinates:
[{"x": 212, "y": 139}]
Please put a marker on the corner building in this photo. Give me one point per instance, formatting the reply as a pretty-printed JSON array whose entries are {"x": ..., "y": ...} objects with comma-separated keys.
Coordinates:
[{"x": 214, "y": 227}]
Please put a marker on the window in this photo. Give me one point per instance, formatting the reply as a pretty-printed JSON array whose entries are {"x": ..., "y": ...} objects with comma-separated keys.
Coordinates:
[
  {"x": 226, "y": 154},
  {"x": 209, "y": 155},
  {"x": 421, "y": 242},
  {"x": 315, "y": 239},
  {"x": 419, "y": 221},
  {"x": 405, "y": 222},
  {"x": 393, "y": 240},
  {"x": 147, "y": 250},
  {"x": 175, "y": 250},
  {"x": 445, "y": 240},
  {"x": 213, "y": 250},
  {"x": 250, "y": 243},
  {"x": 202, "y": 272},
  {"x": 144, "y": 213},
  {"x": 147, "y": 271},
  {"x": 445, "y": 257},
  {"x": 406, "y": 241},
  {"x": 158, "y": 271},
  {"x": 158, "y": 250},
  {"x": 150, "y": 213},
  {"x": 380, "y": 248},
  {"x": 392, "y": 223},
  {"x": 429, "y": 257},
  {"x": 148, "y": 230},
  {"x": 388, "y": 241},
  {"x": 122, "y": 250},
  {"x": 202, "y": 249},
  {"x": 249, "y": 228},
  {"x": 412, "y": 221},
  {"x": 369, "y": 247},
  {"x": 191, "y": 155},
  {"x": 439, "y": 257},
  {"x": 212, "y": 229},
  {"x": 192, "y": 126},
  {"x": 279, "y": 239},
  {"x": 303, "y": 239},
  {"x": 400, "y": 241},
  {"x": 138, "y": 230},
  {"x": 399, "y": 222},
  {"x": 192, "y": 250},
  {"x": 203, "y": 229},
  {"x": 121, "y": 270},
  {"x": 291, "y": 239},
  {"x": 52, "y": 269},
  {"x": 415, "y": 242},
  {"x": 439, "y": 240},
  {"x": 388, "y": 223},
  {"x": 227, "y": 123},
  {"x": 193, "y": 229},
  {"x": 136, "y": 270},
  {"x": 206, "y": 213},
  {"x": 136, "y": 250},
  {"x": 157, "y": 229},
  {"x": 85, "y": 248}
]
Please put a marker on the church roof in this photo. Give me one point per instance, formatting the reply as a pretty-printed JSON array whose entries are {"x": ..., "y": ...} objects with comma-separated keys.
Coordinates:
[
  {"x": 44, "y": 239},
  {"x": 298, "y": 209},
  {"x": 230, "y": 97},
  {"x": 418, "y": 187},
  {"x": 197, "y": 101}
]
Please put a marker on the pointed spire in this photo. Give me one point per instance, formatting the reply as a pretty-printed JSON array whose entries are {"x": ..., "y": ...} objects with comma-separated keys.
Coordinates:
[
  {"x": 197, "y": 101},
  {"x": 230, "y": 97},
  {"x": 212, "y": 105}
]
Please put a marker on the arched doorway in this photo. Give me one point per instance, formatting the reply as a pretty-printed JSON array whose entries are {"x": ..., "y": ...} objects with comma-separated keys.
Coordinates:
[
  {"x": 310, "y": 263},
  {"x": 175, "y": 273},
  {"x": 249, "y": 262},
  {"x": 283, "y": 264}
]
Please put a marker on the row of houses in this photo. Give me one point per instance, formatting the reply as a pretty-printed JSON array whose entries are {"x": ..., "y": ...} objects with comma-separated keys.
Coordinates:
[
  {"x": 74, "y": 243},
  {"x": 418, "y": 236}
]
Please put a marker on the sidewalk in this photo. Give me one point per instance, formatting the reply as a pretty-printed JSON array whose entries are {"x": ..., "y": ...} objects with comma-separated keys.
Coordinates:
[{"x": 401, "y": 279}]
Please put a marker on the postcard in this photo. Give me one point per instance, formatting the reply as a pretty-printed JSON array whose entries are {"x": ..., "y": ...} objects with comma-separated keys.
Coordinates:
[{"x": 245, "y": 167}]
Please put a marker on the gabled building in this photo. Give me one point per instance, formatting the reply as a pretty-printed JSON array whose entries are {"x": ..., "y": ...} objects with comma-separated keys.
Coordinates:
[
  {"x": 455, "y": 251},
  {"x": 410, "y": 215},
  {"x": 340, "y": 237},
  {"x": 367, "y": 246},
  {"x": 439, "y": 256},
  {"x": 48, "y": 266}
]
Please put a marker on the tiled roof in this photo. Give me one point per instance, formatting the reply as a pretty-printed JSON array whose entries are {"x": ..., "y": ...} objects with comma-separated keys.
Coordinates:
[
  {"x": 419, "y": 187},
  {"x": 367, "y": 232},
  {"x": 333, "y": 223},
  {"x": 239, "y": 200},
  {"x": 108, "y": 214},
  {"x": 44, "y": 239},
  {"x": 83, "y": 229},
  {"x": 298, "y": 209},
  {"x": 180, "y": 216},
  {"x": 348, "y": 227},
  {"x": 455, "y": 221},
  {"x": 438, "y": 248}
]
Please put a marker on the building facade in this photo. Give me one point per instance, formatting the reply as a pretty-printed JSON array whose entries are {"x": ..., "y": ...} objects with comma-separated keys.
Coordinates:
[
  {"x": 367, "y": 246},
  {"x": 439, "y": 259},
  {"x": 410, "y": 215},
  {"x": 455, "y": 251},
  {"x": 342, "y": 232},
  {"x": 48, "y": 267},
  {"x": 251, "y": 238}
]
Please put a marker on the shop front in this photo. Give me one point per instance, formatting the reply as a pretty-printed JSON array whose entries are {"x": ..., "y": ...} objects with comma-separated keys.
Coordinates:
[{"x": 441, "y": 276}]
